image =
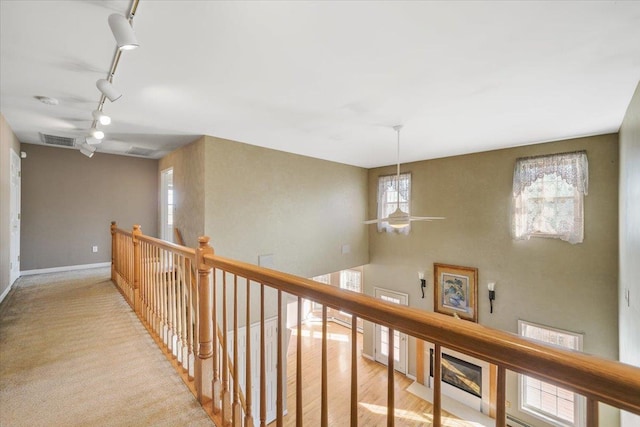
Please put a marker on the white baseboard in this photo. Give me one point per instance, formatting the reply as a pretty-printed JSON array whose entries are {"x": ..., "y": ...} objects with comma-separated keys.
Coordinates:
[
  {"x": 367, "y": 356},
  {"x": 65, "y": 268},
  {"x": 5, "y": 293}
]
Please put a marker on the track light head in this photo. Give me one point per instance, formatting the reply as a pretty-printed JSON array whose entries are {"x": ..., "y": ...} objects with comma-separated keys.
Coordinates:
[
  {"x": 123, "y": 32},
  {"x": 101, "y": 117},
  {"x": 108, "y": 90},
  {"x": 87, "y": 150},
  {"x": 96, "y": 133},
  {"x": 92, "y": 141}
]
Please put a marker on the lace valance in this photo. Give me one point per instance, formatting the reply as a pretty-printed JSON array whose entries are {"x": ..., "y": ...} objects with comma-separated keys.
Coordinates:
[{"x": 572, "y": 167}]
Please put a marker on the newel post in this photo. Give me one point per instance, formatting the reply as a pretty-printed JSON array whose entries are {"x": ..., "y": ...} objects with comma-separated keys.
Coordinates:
[
  {"x": 137, "y": 232},
  {"x": 204, "y": 366},
  {"x": 113, "y": 250}
]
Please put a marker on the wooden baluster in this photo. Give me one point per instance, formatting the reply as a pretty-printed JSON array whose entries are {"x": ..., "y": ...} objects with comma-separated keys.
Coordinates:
[
  {"x": 114, "y": 254},
  {"x": 437, "y": 376},
  {"x": 156, "y": 290},
  {"x": 279, "y": 367},
  {"x": 324, "y": 406},
  {"x": 248, "y": 418},
  {"x": 263, "y": 375},
  {"x": 190, "y": 322},
  {"x": 173, "y": 303},
  {"x": 354, "y": 370},
  {"x": 178, "y": 298},
  {"x": 299, "y": 414},
  {"x": 226, "y": 398},
  {"x": 183, "y": 312},
  {"x": 237, "y": 416},
  {"x": 205, "y": 331},
  {"x": 592, "y": 412},
  {"x": 216, "y": 385},
  {"x": 501, "y": 397},
  {"x": 137, "y": 232},
  {"x": 391, "y": 357},
  {"x": 164, "y": 294}
]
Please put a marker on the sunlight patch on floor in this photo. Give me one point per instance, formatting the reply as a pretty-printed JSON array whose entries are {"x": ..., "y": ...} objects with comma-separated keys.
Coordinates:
[{"x": 306, "y": 333}]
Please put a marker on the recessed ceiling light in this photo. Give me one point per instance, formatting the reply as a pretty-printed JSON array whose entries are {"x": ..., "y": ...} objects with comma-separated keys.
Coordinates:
[{"x": 47, "y": 100}]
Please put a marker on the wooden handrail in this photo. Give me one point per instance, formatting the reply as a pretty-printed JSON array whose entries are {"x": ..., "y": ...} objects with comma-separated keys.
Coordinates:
[{"x": 610, "y": 382}]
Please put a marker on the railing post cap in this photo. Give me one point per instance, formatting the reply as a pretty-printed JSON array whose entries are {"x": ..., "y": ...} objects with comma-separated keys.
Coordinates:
[
  {"x": 137, "y": 227},
  {"x": 203, "y": 240}
]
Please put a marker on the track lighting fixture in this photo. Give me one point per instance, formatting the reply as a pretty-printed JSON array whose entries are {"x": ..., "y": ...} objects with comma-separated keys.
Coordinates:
[
  {"x": 123, "y": 32},
  {"x": 101, "y": 117},
  {"x": 92, "y": 141},
  {"x": 108, "y": 90},
  {"x": 96, "y": 133},
  {"x": 87, "y": 150}
]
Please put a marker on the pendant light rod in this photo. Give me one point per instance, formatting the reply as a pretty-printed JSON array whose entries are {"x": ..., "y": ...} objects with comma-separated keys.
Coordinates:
[{"x": 397, "y": 128}]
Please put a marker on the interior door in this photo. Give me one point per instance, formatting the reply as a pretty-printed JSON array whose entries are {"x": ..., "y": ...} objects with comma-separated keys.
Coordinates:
[
  {"x": 14, "y": 208},
  {"x": 382, "y": 334}
]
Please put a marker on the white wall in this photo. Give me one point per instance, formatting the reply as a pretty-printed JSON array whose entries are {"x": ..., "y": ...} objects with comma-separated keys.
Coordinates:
[
  {"x": 629, "y": 311},
  {"x": 8, "y": 142}
]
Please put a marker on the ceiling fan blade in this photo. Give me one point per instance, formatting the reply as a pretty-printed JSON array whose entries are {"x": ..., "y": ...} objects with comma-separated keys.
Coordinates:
[
  {"x": 376, "y": 221},
  {"x": 425, "y": 218}
]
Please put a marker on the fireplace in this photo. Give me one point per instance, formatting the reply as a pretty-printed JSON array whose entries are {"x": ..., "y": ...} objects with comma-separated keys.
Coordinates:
[
  {"x": 464, "y": 378},
  {"x": 460, "y": 374}
]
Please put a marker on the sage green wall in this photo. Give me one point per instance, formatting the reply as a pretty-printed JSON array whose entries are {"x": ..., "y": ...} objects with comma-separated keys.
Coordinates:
[
  {"x": 8, "y": 141},
  {"x": 188, "y": 183},
  {"x": 546, "y": 281},
  {"x": 302, "y": 210},
  {"x": 69, "y": 200},
  {"x": 630, "y": 241}
]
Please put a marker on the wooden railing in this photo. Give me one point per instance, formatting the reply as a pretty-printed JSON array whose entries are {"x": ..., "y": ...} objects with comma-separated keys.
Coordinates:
[{"x": 213, "y": 305}]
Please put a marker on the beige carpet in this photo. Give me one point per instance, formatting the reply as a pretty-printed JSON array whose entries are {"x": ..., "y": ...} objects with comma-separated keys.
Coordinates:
[{"x": 72, "y": 353}]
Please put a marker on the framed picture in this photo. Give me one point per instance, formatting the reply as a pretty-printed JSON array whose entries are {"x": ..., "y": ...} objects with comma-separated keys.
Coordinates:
[{"x": 456, "y": 291}]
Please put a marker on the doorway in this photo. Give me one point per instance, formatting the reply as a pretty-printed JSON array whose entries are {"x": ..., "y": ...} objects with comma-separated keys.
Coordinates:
[
  {"x": 14, "y": 212},
  {"x": 382, "y": 334}
]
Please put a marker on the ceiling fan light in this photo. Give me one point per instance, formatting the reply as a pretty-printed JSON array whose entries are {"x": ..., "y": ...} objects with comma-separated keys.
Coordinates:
[
  {"x": 96, "y": 133},
  {"x": 101, "y": 117},
  {"x": 108, "y": 90},
  {"x": 123, "y": 32}
]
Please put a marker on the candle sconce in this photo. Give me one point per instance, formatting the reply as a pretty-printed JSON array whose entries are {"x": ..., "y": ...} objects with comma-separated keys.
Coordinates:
[{"x": 492, "y": 293}]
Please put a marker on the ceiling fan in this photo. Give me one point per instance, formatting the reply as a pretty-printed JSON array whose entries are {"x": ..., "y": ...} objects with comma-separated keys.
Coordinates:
[{"x": 399, "y": 218}]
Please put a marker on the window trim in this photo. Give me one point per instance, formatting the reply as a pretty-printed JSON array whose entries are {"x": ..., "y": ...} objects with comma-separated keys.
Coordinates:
[
  {"x": 573, "y": 169},
  {"x": 384, "y": 226},
  {"x": 579, "y": 401}
]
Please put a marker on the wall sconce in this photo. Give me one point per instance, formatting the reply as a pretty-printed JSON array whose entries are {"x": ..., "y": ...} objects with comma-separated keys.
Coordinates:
[
  {"x": 423, "y": 282},
  {"x": 492, "y": 293}
]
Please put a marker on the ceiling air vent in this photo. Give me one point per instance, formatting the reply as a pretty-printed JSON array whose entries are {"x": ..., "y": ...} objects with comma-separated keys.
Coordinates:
[
  {"x": 137, "y": 151},
  {"x": 59, "y": 141}
]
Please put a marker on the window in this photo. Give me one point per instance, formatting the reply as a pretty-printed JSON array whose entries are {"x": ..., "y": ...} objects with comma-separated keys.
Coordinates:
[
  {"x": 350, "y": 280},
  {"x": 548, "y": 193},
  {"x": 553, "y": 404},
  {"x": 389, "y": 198},
  {"x": 167, "y": 204}
]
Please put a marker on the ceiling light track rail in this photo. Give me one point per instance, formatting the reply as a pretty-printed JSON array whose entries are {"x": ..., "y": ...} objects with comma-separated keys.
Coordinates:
[{"x": 122, "y": 29}]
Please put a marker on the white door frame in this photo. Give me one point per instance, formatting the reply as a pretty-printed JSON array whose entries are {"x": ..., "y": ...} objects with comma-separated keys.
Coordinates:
[
  {"x": 400, "y": 339},
  {"x": 14, "y": 212}
]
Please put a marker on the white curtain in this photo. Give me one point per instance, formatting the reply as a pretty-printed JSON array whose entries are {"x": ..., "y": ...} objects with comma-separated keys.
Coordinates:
[
  {"x": 388, "y": 199},
  {"x": 548, "y": 194}
]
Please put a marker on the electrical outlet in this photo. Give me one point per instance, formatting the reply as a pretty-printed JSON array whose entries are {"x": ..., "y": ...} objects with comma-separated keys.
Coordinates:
[{"x": 94, "y": 249}]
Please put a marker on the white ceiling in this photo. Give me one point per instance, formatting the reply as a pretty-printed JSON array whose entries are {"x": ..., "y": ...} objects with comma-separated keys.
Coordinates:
[{"x": 325, "y": 79}]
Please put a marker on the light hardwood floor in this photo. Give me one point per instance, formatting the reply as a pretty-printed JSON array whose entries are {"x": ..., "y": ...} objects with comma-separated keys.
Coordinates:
[{"x": 372, "y": 384}]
